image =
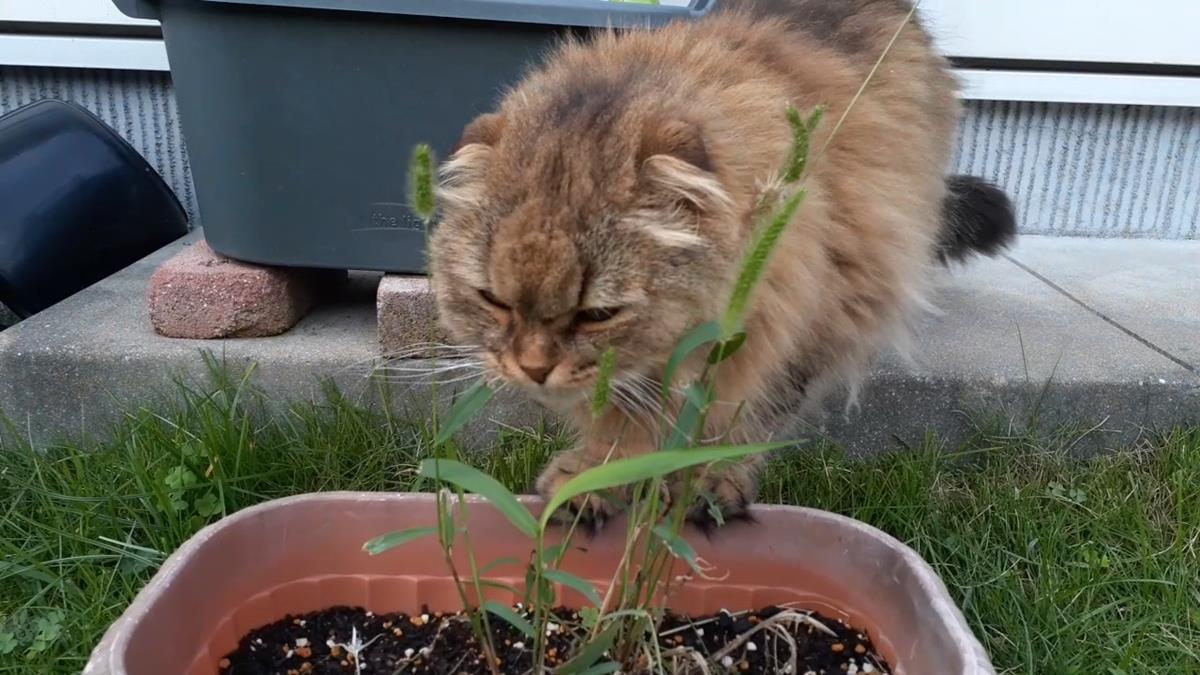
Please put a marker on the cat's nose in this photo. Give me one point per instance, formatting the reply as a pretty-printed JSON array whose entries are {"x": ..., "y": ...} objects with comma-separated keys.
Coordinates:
[{"x": 538, "y": 373}]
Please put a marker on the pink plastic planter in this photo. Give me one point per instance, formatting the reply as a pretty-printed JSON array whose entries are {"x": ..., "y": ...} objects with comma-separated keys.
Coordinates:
[{"x": 304, "y": 553}]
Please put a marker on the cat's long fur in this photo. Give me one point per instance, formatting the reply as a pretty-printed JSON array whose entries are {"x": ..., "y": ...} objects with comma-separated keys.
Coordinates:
[{"x": 622, "y": 174}]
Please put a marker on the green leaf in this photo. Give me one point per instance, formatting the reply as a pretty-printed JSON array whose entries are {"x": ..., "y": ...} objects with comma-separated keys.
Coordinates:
[
  {"x": 755, "y": 262},
  {"x": 420, "y": 183},
  {"x": 473, "y": 480},
  {"x": 714, "y": 508},
  {"x": 49, "y": 628},
  {"x": 686, "y": 423},
  {"x": 179, "y": 478},
  {"x": 391, "y": 540},
  {"x": 508, "y": 614},
  {"x": 571, "y": 581},
  {"x": 492, "y": 583},
  {"x": 209, "y": 504},
  {"x": 497, "y": 563},
  {"x": 8, "y": 643},
  {"x": 726, "y": 348},
  {"x": 678, "y": 546},
  {"x": 709, "y": 331},
  {"x": 193, "y": 450},
  {"x": 586, "y": 657},
  {"x": 608, "y": 363},
  {"x": 642, "y": 467},
  {"x": 464, "y": 409},
  {"x": 589, "y": 617}
]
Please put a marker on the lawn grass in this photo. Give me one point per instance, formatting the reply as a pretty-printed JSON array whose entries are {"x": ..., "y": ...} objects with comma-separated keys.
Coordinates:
[{"x": 1061, "y": 565}]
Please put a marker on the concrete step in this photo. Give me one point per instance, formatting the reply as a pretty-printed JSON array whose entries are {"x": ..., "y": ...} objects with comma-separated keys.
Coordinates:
[{"x": 1103, "y": 333}]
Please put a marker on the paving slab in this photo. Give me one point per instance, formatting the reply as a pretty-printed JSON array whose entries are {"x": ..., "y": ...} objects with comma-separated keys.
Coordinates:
[
  {"x": 1006, "y": 345},
  {"x": 1151, "y": 289},
  {"x": 78, "y": 366}
]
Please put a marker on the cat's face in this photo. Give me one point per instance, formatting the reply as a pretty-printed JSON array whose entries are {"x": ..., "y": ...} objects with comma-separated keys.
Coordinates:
[{"x": 558, "y": 242}]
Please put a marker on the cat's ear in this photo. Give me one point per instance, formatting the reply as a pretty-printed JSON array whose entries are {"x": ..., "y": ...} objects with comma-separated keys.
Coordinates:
[
  {"x": 483, "y": 130},
  {"x": 679, "y": 139},
  {"x": 675, "y": 159},
  {"x": 461, "y": 177}
]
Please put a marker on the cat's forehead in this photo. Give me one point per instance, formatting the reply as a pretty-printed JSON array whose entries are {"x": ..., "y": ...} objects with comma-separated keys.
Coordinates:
[{"x": 535, "y": 262}]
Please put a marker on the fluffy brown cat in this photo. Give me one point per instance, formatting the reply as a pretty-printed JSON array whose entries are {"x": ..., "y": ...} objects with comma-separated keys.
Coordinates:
[{"x": 607, "y": 202}]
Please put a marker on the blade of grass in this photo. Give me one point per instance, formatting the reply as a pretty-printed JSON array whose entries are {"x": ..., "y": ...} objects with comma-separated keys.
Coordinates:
[
  {"x": 391, "y": 540},
  {"x": 571, "y": 581},
  {"x": 508, "y": 614},
  {"x": 591, "y": 652},
  {"x": 678, "y": 546},
  {"x": 464, "y": 409},
  {"x": 473, "y": 480},
  {"x": 653, "y": 465},
  {"x": 707, "y": 332}
]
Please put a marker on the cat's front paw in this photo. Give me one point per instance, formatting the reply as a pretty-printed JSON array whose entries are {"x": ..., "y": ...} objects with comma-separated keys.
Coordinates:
[
  {"x": 723, "y": 495},
  {"x": 592, "y": 510}
]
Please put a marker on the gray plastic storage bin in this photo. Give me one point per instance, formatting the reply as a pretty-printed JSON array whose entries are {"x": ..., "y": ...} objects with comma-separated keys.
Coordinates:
[{"x": 300, "y": 115}]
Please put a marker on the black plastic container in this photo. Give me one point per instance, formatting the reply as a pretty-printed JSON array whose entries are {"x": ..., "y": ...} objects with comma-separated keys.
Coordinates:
[
  {"x": 77, "y": 204},
  {"x": 300, "y": 115}
]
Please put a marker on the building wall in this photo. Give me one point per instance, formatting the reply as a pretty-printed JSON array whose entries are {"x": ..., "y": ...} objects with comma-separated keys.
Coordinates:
[{"x": 1079, "y": 170}]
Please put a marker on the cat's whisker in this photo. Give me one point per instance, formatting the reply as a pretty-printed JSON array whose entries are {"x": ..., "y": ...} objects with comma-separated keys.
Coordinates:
[
  {"x": 441, "y": 372},
  {"x": 440, "y": 345},
  {"x": 649, "y": 396},
  {"x": 645, "y": 401},
  {"x": 637, "y": 406},
  {"x": 415, "y": 358},
  {"x": 654, "y": 385},
  {"x": 430, "y": 350},
  {"x": 468, "y": 377},
  {"x": 431, "y": 382},
  {"x": 433, "y": 368},
  {"x": 619, "y": 401},
  {"x": 427, "y": 353},
  {"x": 365, "y": 367},
  {"x": 632, "y": 411},
  {"x": 428, "y": 372},
  {"x": 647, "y": 413}
]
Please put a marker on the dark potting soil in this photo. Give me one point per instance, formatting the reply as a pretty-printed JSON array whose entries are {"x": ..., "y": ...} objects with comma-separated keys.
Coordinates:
[{"x": 324, "y": 643}]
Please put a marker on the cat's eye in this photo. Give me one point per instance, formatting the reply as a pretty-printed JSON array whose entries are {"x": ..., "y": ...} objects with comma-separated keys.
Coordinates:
[
  {"x": 492, "y": 300},
  {"x": 596, "y": 315}
]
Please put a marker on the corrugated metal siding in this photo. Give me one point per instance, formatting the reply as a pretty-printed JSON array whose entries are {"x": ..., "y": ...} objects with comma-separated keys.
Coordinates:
[
  {"x": 1080, "y": 170},
  {"x": 138, "y": 105},
  {"x": 1090, "y": 170}
]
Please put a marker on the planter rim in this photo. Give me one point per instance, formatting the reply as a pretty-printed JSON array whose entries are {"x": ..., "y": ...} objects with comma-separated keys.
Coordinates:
[{"x": 116, "y": 639}]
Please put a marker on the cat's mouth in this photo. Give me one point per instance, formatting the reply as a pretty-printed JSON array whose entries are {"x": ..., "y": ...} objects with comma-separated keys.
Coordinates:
[{"x": 555, "y": 397}]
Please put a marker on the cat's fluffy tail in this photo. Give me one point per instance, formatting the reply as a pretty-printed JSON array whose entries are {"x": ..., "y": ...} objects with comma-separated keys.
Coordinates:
[{"x": 977, "y": 218}]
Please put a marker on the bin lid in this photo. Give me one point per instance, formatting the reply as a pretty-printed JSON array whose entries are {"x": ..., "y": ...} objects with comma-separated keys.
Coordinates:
[{"x": 582, "y": 13}]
